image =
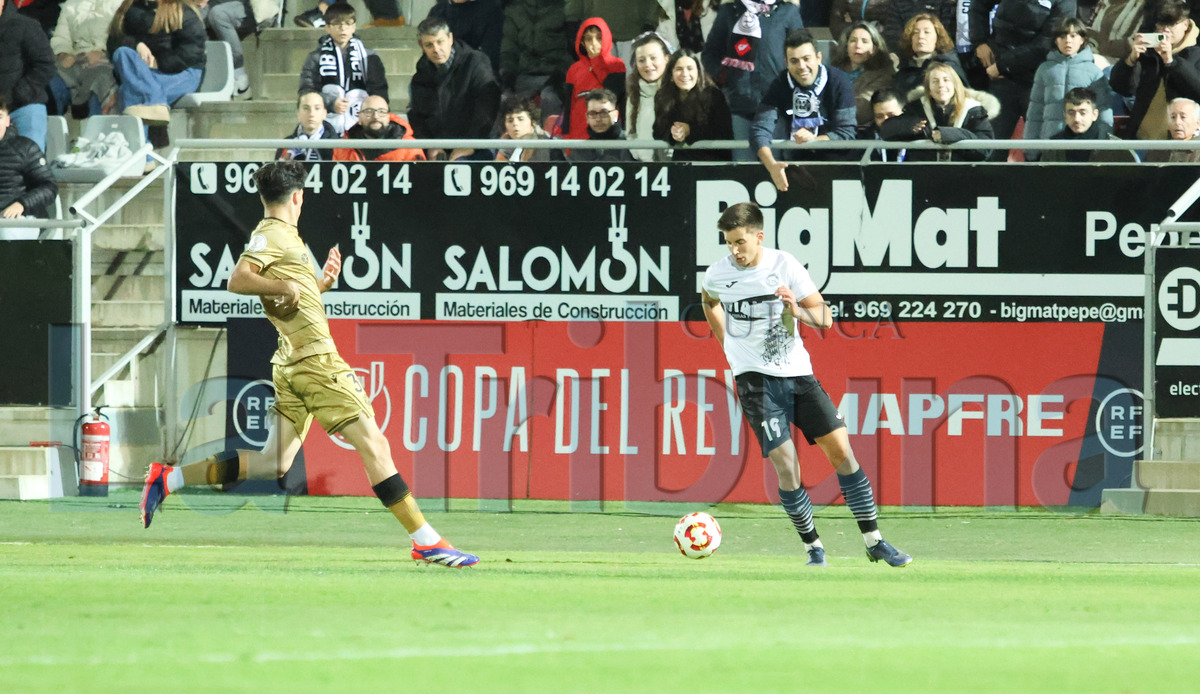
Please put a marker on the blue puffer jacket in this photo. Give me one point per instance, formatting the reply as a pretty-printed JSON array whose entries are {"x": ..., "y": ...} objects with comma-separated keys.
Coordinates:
[{"x": 1054, "y": 78}]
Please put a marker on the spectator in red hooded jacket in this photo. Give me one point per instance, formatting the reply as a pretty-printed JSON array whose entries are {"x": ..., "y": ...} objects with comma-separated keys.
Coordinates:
[{"x": 596, "y": 68}]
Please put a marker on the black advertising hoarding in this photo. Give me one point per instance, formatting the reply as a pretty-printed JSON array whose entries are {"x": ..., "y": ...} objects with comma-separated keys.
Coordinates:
[
  {"x": 1177, "y": 332},
  {"x": 951, "y": 243},
  {"x": 485, "y": 242},
  {"x": 491, "y": 242}
]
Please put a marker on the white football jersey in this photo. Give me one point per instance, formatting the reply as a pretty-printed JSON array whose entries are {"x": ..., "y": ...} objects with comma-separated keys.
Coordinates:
[{"x": 756, "y": 337}]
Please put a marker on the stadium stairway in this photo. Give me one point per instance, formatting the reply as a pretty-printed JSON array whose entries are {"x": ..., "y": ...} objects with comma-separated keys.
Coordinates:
[
  {"x": 273, "y": 63},
  {"x": 1169, "y": 484},
  {"x": 128, "y": 267}
]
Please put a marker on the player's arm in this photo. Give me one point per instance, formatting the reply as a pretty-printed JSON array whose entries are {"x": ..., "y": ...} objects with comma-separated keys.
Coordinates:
[
  {"x": 333, "y": 268},
  {"x": 247, "y": 279},
  {"x": 812, "y": 310},
  {"x": 714, "y": 313}
]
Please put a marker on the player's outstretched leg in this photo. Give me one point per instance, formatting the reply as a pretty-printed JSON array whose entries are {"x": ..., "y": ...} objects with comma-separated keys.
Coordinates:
[
  {"x": 428, "y": 546},
  {"x": 157, "y": 488},
  {"x": 224, "y": 468},
  {"x": 795, "y": 501},
  {"x": 860, "y": 499}
]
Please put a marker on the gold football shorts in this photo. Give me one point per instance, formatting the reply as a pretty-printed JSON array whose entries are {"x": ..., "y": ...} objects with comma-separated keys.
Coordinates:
[{"x": 321, "y": 386}]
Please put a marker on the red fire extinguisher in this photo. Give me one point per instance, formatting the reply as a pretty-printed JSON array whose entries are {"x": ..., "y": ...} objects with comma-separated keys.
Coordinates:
[{"x": 93, "y": 478}]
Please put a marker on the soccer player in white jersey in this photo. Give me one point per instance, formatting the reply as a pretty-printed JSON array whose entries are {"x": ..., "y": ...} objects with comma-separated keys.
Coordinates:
[{"x": 752, "y": 299}]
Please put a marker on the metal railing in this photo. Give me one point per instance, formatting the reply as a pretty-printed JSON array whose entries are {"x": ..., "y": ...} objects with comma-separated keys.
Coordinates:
[
  {"x": 80, "y": 227},
  {"x": 866, "y": 146}
]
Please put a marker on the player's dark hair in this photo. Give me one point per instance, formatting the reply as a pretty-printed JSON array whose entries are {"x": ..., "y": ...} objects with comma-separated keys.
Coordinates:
[
  {"x": 743, "y": 214},
  {"x": 340, "y": 13},
  {"x": 278, "y": 179},
  {"x": 3, "y": 104},
  {"x": 431, "y": 26},
  {"x": 1079, "y": 95},
  {"x": 798, "y": 38}
]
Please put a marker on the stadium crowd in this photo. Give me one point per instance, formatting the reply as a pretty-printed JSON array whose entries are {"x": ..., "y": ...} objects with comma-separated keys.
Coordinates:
[{"x": 676, "y": 71}]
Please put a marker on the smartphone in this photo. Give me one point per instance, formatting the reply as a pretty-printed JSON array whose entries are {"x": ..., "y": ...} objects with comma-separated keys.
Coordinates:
[{"x": 1152, "y": 40}]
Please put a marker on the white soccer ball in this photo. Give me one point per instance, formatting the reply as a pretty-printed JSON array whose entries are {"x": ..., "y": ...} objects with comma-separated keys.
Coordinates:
[{"x": 697, "y": 535}]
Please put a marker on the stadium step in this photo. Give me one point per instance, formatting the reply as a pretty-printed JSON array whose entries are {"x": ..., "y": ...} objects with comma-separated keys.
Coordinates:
[
  {"x": 33, "y": 472},
  {"x": 1167, "y": 474},
  {"x": 1168, "y": 484},
  {"x": 1177, "y": 439},
  {"x": 127, "y": 288},
  {"x": 24, "y": 487},
  {"x": 19, "y": 426},
  {"x": 283, "y": 85},
  {"x": 284, "y": 50}
]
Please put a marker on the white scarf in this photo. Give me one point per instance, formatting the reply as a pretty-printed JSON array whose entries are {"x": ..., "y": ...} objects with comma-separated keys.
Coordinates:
[{"x": 748, "y": 24}]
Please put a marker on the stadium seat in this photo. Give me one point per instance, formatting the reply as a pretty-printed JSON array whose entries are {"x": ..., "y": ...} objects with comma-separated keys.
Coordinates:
[
  {"x": 56, "y": 137},
  {"x": 826, "y": 47},
  {"x": 217, "y": 82},
  {"x": 135, "y": 136}
]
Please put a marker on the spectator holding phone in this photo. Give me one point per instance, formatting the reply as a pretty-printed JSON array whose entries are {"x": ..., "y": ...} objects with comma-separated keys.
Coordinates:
[{"x": 1161, "y": 66}]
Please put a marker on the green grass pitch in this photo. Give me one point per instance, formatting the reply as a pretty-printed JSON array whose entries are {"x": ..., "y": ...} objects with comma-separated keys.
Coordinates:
[{"x": 322, "y": 597}]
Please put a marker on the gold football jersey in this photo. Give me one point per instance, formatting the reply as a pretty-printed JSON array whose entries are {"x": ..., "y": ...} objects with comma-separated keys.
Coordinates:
[{"x": 277, "y": 248}]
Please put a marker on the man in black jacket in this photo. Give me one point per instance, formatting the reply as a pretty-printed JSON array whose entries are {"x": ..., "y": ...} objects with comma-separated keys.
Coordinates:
[
  {"x": 27, "y": 188},
  {"x": 454, "y": 93},
  {"x": 26, "y": 67}
]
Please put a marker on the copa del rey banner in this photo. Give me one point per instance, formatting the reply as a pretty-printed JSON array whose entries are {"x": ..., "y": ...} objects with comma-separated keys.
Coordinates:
[
  {"x": 534, "y": 332},
  {"x": 939, "y": 414}
]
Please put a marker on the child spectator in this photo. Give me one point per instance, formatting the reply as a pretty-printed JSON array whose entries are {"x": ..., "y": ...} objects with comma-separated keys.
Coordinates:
[
  {"x": 157, "y": 51},
  {"x": 595, "y": 69},
  {"x": 625, "y": 19},
  {"x": 944, "y": 111},
  {"x": 689, "y": 108},
  {"x": 1069, "y": 66},
  {"x": 923, "y": 43},
  {"x": 650, "y": 53},
  {"x": 863, "y": 55},
  {"x": 521, "y": 118},
  {"x": 1010, "y": 46},
  {"x": 602, "y": 125},
  {"x": 80, "y": 46},
  {"x": 342, "y": 69},
  {"x": 310, "y": 112}
]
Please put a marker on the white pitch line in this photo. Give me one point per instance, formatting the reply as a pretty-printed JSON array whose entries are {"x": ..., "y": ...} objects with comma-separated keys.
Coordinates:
[{"x": 559, "y": 648}]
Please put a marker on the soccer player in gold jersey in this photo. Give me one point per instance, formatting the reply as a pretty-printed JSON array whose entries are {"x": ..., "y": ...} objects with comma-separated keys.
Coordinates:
[{"x": 311, "y": 379}]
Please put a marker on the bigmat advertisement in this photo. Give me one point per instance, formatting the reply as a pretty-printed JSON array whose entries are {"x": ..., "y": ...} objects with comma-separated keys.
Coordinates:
[{"x": 534, "y": 331}]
